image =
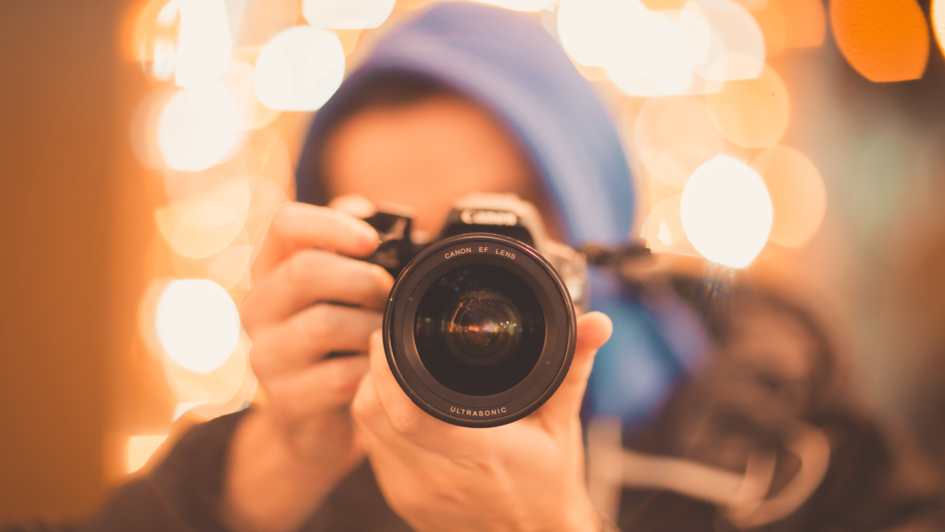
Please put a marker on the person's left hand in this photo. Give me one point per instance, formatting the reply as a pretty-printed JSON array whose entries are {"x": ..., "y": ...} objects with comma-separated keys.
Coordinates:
[{"x": 525, "y": 476}]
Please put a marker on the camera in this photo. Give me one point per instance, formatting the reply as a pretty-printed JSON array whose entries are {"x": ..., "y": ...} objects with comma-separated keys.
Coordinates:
[{"x": 479, "y": 329}]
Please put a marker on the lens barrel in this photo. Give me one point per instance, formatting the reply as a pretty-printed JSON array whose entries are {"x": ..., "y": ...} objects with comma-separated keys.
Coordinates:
[{"x": 479, "y": 330}]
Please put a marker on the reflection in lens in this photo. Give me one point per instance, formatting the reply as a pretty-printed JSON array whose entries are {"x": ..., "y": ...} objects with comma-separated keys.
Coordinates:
[
  {"x": 479, "y": 330},
  {"x": 483, "y": 325}
]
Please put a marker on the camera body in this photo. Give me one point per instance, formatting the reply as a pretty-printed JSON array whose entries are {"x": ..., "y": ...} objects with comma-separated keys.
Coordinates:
[{"x": 479, "y": 328}]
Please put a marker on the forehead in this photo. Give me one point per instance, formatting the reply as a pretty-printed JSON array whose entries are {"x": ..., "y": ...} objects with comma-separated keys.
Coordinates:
[{"x": 444, "y": 133}]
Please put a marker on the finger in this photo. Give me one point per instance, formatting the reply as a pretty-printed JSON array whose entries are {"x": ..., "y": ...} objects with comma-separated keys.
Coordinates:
[
  {"x": 390, "y": 414},
  {"x": 324, "y": 386},
  {"x": 298, "y": 226},
  {"x": 405, "y": 416},
  {"x": 310, "y": 335},
  {"x": 593, "y": 330},
  {"x": 370, "y": 418},
  {"x": 354, "y": 204},
  {"x": 310, "y": 276},
  {"x": 375, "y": 429}
]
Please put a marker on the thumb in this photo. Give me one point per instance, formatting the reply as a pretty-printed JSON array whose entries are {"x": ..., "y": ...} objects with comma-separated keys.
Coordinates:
[{"x": 593, "y": 330}]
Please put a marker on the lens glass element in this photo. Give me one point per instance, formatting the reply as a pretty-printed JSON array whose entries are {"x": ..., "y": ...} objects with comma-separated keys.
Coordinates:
[{"x": 479, "y": 330}]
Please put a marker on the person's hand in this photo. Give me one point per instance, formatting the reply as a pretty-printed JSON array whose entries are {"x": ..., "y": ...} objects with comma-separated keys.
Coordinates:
[
  {"x": 289, "y": 454},
  {"x": 525, "y": 476}
]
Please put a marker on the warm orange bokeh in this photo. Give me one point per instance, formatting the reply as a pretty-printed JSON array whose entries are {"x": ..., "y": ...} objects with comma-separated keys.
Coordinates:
[
  {"x": 674, "y": 137},
  {"x": 884, "y": 40},
  {"x": 798, "y": 196},
  {"x": 663, "y": 229},
  {"x": 774, "y": 25},
  {"x": 145, "y": 26},
  {"x": 938, "y": 22},
  {"x": 752, "y": 113},
  {"x": 806, "y": 23},
  {"x": 790, "y": 24},
  {"x": 660, "y": 5}
]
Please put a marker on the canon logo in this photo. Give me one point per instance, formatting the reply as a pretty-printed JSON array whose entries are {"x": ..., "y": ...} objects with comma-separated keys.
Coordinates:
[{"x": 481, "y": 217}]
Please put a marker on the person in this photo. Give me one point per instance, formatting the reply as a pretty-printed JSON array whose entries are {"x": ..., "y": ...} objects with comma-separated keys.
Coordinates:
[
  {"x": 765, "y": 435},
  {"x": 432, "y": 115},
  {"x": 462, "y": 98}
]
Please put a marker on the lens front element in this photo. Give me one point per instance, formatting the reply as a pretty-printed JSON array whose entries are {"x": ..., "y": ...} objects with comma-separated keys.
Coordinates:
[
  {"x": 482, "y": 325},
  {"x": 479, "y": 330}
]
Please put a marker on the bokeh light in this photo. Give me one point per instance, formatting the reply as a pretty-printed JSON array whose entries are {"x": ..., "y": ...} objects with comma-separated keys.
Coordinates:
[
  {"x": 884, "y": 40},
  {"x": 674, "y": 137},
  {"x": 266, "y": 155},
  {"x": 204, "y": 43},
  {"x": 154, "y": 38},
  {"x": 231, "y": 382},
  {"x": 806, "y": 23},
  {"x": 198, "y": 127},
  {"x": 203, "y": 226},
  {"x": 773, "y": 22},
  {"x": 591, "y": 30},
  {"x": 938, "y": 22},
  {"x": 644, "y": 53},
  {"x": 519, "y": 5},
  {"x": 268, "y": 197},
  {"x": 348, "y": 14},
  {"x": 228, "y": 268},
  {"x": 264, "y": 19},
  {"x": 144, "y": 127},
  {"x": 726, "y": 212},
  {"x": 197, "y": 324},
  {"x": 663, "y": 229},
  {"x": 752, "y": 113},
  {"x": 239, "y": 79},
  {"x": 798, "y": 196},
  {"x": 664, "y": 5},
  {"x": 656, "y": 58},
  {"x": 231, "y": 267},
  {"x": 299, "y": 69},
  {"x": 349, "y": 40},
  {"x": 727, "y": 42},
  {"x": 139, "y": 448},
  {"x": 197, "y": 230}
]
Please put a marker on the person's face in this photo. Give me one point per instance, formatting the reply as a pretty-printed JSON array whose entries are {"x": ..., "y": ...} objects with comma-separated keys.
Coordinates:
[{"x": 427, "y": 154}]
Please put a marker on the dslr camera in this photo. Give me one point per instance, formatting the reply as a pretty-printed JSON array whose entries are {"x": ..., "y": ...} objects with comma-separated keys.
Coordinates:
[{"x": 479, "y": 329}]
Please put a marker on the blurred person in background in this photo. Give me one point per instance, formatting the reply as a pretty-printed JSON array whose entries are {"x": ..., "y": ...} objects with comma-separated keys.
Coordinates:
[
  {"x": 469, "y": 98},
  {"x": 765, "y": 433}
]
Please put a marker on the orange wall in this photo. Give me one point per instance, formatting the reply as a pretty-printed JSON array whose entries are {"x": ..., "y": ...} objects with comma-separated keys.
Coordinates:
[{"x": 57, "y": 71}]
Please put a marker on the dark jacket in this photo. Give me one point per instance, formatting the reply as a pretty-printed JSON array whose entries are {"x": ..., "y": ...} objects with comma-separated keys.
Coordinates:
[{"x": 183, "y": 493}]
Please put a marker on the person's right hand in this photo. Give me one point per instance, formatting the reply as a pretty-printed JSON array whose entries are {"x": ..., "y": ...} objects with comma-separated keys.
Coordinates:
[{"x": 289, "y": 454}]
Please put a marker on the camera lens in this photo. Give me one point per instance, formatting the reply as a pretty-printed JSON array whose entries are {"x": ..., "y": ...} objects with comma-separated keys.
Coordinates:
[{"x": 479, "y": 330}]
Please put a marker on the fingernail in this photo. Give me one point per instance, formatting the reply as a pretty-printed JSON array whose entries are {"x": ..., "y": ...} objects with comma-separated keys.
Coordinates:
[
  {"x": 369, "y": 238},
  {"x": 376, "y": 339}
]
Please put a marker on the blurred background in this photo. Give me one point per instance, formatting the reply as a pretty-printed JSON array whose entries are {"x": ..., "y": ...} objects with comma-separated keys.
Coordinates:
[{"x": 145, "y": 144}]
